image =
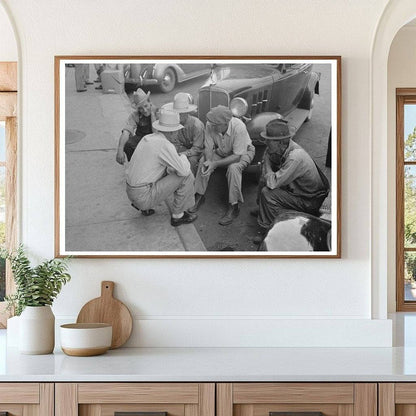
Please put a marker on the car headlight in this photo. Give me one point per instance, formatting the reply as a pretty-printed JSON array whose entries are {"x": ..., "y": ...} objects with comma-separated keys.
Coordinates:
[{"x": 238, "y": 106}]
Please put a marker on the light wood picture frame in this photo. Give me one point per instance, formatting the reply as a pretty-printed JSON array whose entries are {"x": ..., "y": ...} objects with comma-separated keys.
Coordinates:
[{"x": 97, "y": 101}]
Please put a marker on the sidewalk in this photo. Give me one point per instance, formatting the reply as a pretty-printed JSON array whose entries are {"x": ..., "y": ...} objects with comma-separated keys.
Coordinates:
[{"x": 98, "y": 213}]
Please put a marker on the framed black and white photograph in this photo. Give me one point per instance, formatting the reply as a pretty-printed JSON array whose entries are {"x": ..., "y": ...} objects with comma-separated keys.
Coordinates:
[{"x": 198, "y": 156}]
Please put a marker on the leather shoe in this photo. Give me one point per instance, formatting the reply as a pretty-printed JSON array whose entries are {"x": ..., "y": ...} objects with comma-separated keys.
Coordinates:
[
  {"x": 186, "y": 218},
  {"x": 199, "y": 200},
  {"x": 145, "y": 212},
  {"x": 232, "y": 212}
]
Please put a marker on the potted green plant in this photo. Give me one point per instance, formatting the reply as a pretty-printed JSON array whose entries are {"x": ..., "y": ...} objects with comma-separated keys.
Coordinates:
[{"x": 36, "y": 289}]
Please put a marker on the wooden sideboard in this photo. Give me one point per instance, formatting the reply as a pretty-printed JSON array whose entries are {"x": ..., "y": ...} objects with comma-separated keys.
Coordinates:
[{"x": 207, "y": 399}]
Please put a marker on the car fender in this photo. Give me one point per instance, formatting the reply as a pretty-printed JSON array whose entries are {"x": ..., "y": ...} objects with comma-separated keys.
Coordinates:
[
  {"x": 311, "y": 89},
  {"x": 258, "y": 124},
  {"x": 159, "y": 70}
]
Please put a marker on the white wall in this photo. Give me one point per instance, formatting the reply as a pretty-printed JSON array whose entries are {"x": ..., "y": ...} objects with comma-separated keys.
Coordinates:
[
  {"x": 401, "y": 74},
  {"x": 179, "y": 302},
  {"x": 8, "y": 47}
]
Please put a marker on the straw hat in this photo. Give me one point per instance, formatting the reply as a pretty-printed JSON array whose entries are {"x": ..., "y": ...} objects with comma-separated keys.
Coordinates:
[
  {"x": 139, "y": 96},
  {"x": 181, "y": 103},
  {"x": 168, "y": 121}
]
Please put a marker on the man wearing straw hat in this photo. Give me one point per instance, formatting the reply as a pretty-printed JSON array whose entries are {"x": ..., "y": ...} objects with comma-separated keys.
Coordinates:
[
  {"x": 190, "y": 140},
  {"x": 291, "y": 179},
  {"x": 137, "y": 125},
  {"x": 156, "y": 172}
]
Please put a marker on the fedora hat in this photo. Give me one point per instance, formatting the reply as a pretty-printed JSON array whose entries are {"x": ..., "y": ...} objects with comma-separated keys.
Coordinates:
[
  {"x": 278, "y": 130},
  {"x": 139, "y": 96},
  {"x": 181, "y": 103},
  {"x": 168, "y": 121}
]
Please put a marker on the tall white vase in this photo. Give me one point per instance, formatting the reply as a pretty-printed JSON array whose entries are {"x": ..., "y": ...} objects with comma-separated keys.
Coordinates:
[{"x": 37, "y": 330}]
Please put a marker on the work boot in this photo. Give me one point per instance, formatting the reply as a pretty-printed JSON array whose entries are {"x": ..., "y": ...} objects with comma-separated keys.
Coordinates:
[
  {"x": 186, "y": 218},
  {"x": 232, "y": 212},
  {"x": 199, "y": 200}
]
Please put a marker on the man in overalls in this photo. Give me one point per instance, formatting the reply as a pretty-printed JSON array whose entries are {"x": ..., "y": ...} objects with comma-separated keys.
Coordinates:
[{"x": 138, "y": 125}]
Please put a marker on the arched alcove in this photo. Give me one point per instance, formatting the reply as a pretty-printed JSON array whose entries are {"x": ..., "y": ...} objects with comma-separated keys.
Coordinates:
[
  {"x": 401, "y": 73},
  {"x": 396, "y": 14}
]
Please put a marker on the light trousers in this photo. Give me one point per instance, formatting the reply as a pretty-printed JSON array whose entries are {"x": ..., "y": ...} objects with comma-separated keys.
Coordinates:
[
  {"x": 81, "y": 76},
  {"x": 234, "y": 176},
  {"x": 148, "y": 196}
]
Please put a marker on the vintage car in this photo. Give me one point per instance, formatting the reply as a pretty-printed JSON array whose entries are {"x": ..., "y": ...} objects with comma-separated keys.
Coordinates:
[
  {"x": 258, "y": 93},
  {"x": 164, "y": 75}
]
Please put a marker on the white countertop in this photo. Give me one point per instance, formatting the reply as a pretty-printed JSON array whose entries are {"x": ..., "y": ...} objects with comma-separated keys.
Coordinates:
[
  {"x": 213, "y": 364},
  {"x": 222, "y": 364}
]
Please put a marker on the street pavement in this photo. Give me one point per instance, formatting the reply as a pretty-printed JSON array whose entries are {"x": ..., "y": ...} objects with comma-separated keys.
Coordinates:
[{"x": 99, "y": 216}]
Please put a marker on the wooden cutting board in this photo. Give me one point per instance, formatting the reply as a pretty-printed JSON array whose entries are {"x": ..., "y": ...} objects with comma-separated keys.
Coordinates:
[{"x": 107, "y": 309}]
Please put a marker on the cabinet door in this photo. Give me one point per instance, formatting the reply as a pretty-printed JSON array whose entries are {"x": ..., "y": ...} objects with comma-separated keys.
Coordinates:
[
  {"x": 296, "y": 399},
  {"x": 397, "y": 399},
  {"x": 26, "y": 399},
  {"x": 143, "y": 399}
]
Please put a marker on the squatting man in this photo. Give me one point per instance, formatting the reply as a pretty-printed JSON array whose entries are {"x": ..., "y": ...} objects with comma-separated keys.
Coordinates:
[
  {"x": 291, "y": 180},
  {"x": 190, "y": 139},
  {"x": 137, "y": 125},
  {"x": 157, "y": 172},
  {"x": 227, "y": 145}
]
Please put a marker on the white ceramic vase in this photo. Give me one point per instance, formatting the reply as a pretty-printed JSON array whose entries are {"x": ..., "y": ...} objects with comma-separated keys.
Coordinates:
[{"x": 37, "y": 330}]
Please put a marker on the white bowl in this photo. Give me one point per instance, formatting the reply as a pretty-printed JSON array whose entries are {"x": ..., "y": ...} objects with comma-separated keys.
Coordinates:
[{"x": 83, "y": 340}]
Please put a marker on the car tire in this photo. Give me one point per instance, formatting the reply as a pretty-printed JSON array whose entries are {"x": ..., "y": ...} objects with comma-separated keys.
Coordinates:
[{"x": 168, "y": 81}]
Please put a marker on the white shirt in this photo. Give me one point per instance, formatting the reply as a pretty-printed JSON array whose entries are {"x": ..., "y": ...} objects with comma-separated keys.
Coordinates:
[
  {"x": 234, "y": 141},
  {"x": 153, "y": 155}
]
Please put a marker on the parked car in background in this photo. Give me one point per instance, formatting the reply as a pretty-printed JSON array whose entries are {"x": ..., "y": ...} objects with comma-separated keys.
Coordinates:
[
  {"x": 258, "y": 93},
  {"x": 164, "y": 75}
]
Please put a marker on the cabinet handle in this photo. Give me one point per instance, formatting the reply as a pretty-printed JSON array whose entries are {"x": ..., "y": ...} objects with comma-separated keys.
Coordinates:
[
  {"x": 296, "y": 414},
  {"x": 138, "y": 414}
]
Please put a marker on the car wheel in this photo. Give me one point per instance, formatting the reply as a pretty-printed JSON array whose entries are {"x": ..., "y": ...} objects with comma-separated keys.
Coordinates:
[{"x": 168, "y": 81}]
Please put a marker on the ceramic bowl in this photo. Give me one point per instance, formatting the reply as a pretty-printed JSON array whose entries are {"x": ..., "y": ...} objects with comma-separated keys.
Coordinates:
[{"x": 83, "y": 340}]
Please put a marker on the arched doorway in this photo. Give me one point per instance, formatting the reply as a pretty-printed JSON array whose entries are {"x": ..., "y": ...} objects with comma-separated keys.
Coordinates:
[{"x": 396, "y": 14}]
